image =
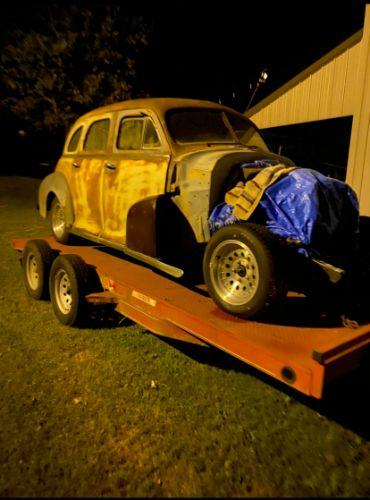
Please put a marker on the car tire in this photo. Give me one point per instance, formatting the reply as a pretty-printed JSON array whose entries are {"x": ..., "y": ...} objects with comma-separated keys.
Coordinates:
[
  {"x": 58, "y": 222},
  {"x": 68, "y": 285},
  {"x": 240, "y": 269},
  {"x": 37, "y": 258}
]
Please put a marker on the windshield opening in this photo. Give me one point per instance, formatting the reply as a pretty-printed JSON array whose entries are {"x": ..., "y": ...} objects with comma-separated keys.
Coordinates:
[
  {"x": 245, "y": 132},
  {"x": 198, "y": 125},
  {"x": 205, "y": 125}
]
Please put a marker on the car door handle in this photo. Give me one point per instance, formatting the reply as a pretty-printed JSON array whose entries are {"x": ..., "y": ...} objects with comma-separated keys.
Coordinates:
[
  {"x": 110, "y": 166},
  {"x": 76, "y": 165}
]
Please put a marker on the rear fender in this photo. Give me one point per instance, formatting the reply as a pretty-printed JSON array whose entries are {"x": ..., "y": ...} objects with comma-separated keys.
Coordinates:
[
  {"x": 156, "y": 227},
  {"x": 141, "y": 226},
  {"x": 56, "y": 184}
]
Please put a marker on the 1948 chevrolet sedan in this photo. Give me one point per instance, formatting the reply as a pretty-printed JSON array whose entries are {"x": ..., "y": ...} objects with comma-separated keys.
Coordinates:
[{"x": 143, "y": 176}]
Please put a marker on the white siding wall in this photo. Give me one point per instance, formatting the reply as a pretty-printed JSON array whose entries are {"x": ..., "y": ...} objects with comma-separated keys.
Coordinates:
[
  {"x": 328, "y": 92},
  {"x": 337, "y": 85}
]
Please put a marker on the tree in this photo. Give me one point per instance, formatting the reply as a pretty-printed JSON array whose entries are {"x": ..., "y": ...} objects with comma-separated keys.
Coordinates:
[{"x": 73, "y": 58}]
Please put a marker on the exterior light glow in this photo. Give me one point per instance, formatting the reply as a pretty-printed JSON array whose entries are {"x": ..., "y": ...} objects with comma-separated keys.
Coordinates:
[
  {"x": 264, "y": 76},
  {"x": 262, "y": 79}
]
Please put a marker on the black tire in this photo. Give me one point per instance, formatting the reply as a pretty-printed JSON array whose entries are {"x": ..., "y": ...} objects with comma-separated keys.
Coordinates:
[
  {"x": 37, "y": 258},
  {"x": 68, "y": 285},
  {"x": 57, "y": 220},
  {"x": 241, "y": 270}
]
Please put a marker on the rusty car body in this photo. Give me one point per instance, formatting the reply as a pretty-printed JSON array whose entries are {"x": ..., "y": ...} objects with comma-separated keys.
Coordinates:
[
  {"x": 143, "y": 176},
  {"x": 127, "y": 197}
]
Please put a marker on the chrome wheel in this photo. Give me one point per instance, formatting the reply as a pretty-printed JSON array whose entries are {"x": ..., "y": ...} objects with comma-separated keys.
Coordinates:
[
  {"x": 234, "y": 272},
  {"x": 63, "y": 291},
  {"x": 58, "y": 220},
  {"x": 32, "y": 271}
]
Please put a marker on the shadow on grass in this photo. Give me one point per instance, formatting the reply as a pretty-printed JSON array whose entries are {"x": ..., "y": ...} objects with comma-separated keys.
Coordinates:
[
  {"x": 344, "y": 400},
  {"x": 105, "y": 317}
]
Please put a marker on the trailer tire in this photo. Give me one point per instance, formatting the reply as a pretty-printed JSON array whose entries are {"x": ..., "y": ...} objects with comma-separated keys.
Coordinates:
[
  {"x": 37, "y": 258},
  {"x": 241, "y": 269},
  {"x": 68, "y": 284}
]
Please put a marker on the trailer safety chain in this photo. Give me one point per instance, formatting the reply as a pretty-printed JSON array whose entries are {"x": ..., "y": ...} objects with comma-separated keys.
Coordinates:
[{"x": 349, "y": 323}]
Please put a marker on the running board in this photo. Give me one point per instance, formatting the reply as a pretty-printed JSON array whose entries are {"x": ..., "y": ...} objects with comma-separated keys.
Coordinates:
[{"x": 176, "y": 272}]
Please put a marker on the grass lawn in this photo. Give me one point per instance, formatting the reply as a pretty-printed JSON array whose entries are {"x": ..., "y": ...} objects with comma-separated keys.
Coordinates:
[{"x": 116, "y": 411}]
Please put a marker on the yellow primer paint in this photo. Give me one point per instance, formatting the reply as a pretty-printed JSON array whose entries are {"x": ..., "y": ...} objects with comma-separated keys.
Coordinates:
[
  {"x": 85, "y": 185},
  {"x": 200, "y": 175},
  {"x": 132, "y": 181},
  {"x": 64, "y": 166}
]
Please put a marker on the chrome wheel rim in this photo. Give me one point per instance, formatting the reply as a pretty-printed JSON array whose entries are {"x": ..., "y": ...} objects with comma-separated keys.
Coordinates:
[
  {"x": 58, "y": 220},
  {"x": 63, "y": 292},
  {"x": 234, "y": 272},
  {"x": 32, "y": 271}
]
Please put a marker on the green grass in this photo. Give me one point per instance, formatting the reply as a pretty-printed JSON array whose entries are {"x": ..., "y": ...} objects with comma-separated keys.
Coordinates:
[{"x": 80, "y": 415}]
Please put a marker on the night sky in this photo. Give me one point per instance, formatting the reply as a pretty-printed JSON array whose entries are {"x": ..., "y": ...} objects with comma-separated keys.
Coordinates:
[
  {"x": 212, "y": 50},
  {"x": 211, "y": 53}
]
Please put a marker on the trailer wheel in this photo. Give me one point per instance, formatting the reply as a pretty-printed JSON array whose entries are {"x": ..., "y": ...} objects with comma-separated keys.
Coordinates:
[
  {"x": 240, "y": 269},
  {"x": 37, "y": 258},
  {"x": 68, "y": 284},
  {"x": 58, "y": 223}
]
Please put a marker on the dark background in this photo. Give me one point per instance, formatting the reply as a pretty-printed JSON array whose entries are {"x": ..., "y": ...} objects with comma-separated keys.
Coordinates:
[
  {"x": 212, "y": 51},
  {"x": 209, "y": 53}
]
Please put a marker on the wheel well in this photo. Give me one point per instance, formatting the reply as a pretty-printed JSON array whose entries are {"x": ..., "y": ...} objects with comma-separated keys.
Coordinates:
[
  {"x": 226, "y": 174},
  {"x": 222, "y": 183},
  {"x": 49, "y": 200}
]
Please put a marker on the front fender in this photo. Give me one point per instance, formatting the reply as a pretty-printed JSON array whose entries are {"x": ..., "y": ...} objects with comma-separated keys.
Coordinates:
[{"x": 56, "y": 184}]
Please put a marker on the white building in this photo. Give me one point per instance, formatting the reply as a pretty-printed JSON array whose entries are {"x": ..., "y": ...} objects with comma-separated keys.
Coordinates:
[{"x": 337, "y": 85}]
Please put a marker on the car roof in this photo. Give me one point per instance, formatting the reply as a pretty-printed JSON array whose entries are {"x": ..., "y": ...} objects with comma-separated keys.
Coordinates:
[{"x": 157, "y": 104}]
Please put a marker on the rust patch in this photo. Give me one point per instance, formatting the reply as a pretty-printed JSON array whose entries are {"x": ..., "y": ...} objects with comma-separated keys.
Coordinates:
[
  {"x": 132, "y": 181},
  {"x": 85, "y": 187}
]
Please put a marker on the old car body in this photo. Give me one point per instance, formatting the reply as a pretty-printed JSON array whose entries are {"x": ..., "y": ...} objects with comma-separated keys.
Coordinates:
[{"x": 130, "y": 178}]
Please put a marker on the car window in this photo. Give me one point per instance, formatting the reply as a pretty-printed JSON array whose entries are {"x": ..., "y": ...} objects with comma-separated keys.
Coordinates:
[
  {"x": 189, "y": 125},
  {"x": 97, "y": 135},
  {"x": 151, "y": 139},
  {"x": 130, "y": 133},
  {"x": 73, "y": 143},
  {"x": 245, "y": 132}
]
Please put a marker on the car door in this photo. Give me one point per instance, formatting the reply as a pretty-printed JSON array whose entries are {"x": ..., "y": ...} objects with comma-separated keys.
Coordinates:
[
  {"x": 71, "y": 148},
  {"x": 136, "y": 170},
  {"x": 87, "y": 172}
]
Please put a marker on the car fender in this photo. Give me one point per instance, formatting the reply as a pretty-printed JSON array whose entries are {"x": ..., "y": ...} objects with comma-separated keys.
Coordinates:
[
  {"x": 141, "y": 226},
  {"x": 56, "y": 184},
  {"x": 199, "y": 180},
  {"x": 195, "y": 180}
]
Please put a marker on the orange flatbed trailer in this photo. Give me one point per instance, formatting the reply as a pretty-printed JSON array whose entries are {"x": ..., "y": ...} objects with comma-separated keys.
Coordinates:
[{"x": 305, "y": 358}]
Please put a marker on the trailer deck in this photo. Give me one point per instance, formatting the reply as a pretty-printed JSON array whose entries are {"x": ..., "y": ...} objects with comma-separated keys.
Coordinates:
[{"x": 305, "y": 358}]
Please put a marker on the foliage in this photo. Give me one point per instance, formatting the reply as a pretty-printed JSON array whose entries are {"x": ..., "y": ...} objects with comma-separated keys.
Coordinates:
[{"x": 74, "y": 58}]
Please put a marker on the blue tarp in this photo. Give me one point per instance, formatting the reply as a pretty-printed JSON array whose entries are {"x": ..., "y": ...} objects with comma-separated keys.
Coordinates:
[
  {"x": 222, "y": 215},
  {"x": 320, "y": 212}
]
